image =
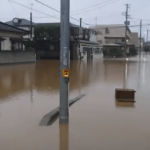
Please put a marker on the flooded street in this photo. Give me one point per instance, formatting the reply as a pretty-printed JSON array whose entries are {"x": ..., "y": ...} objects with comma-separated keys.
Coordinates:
[{"x": 97, "y": 121}]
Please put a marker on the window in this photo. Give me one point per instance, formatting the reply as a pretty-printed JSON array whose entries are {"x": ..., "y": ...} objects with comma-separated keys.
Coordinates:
[
  {"x": 106, "y": 30},
  {"x": 16, "y": 20}
]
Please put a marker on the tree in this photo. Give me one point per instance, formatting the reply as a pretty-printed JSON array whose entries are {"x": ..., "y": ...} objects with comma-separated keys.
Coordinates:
[{"x": 47, "y": 33}]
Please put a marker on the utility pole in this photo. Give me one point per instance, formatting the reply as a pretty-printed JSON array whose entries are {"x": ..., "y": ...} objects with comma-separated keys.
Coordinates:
[
  {"x": 31, "y": 22},
  {"x": 64, "y": 61},
  {"x": 31, "y": 25},
  {"x": 147, "y": 35},
  {"x": 79, "y": 38},
  {"x": 140, "y": 38},
  {"x": 126, "y": 23},
  {"x": 96, "y": 21},
  {"x": 80, "y": 22}
]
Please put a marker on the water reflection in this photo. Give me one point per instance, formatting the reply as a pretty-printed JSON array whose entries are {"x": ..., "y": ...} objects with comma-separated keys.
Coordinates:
[
  {"x": 44, "y": 76},
  {"x": 64, "y": 137},
  {"x": 35, "y": 88},
  {"x": 16, "y": 79},
  {"x": 125, "y": 104}
]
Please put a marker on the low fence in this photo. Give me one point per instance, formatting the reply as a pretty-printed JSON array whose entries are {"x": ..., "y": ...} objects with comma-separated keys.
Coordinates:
[
  {"x": 12, "y": 57},
  {"x": 119, "y": 51}
]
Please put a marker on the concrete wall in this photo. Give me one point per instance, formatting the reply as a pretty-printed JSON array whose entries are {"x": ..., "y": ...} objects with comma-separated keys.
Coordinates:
[{"x": 11, "y": 57}]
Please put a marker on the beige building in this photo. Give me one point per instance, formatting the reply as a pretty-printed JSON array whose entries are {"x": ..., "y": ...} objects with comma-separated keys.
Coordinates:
[
  {"x": 108, "y": 34},
  {"x": 134, "y": 39}
]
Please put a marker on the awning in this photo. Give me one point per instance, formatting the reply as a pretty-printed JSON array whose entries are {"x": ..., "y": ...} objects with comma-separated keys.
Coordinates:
[
  {"x": 112, "y": 44},
  {"x": 117, "y": 37},
  {"x": 85, "y": 42}
]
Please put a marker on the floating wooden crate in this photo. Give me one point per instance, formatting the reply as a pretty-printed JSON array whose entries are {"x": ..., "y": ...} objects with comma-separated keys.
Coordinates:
[{"x": 125, "y": 95}]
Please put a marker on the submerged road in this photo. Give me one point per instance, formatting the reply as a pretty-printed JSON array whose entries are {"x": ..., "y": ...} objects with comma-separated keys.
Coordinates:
[{"x": 97, "y": 121}]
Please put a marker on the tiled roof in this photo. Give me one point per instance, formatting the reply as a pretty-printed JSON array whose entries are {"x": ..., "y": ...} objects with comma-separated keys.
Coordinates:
[
  {"x": 21, "y": 22},
  {"x": 6, "y": 27}
]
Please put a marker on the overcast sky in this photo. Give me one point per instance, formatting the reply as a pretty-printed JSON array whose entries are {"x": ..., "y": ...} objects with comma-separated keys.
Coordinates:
[{"x": 106, "y": 11}]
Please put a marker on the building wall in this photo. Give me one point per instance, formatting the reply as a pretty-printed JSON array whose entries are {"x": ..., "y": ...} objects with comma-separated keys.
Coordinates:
[
  {"x": 11, "y": 57},
  {"x": 28, "y": 29},
  {"x": 134, "y": 39},
  {"x": 6, "y": 44},
  {"x": 93, "y": 37},
  {"x": 114, "y": 41},
  {"x": 10, "y": 34},
  {"x": 114, "y": 30}
]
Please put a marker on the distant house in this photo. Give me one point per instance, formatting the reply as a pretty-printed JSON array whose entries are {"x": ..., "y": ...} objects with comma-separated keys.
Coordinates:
[
  {"x": 113, "y": 39},
  {"x": 112, "y": 34},
  {"x": 23, "y": 24},
  {"x": 11, "y": 38},
  {"x": 11, "y": 45},
  {"x": 47, "y": 37}
]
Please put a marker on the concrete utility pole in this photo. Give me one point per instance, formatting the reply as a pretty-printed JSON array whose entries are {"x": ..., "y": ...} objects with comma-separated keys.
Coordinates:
[
  {"x": 64, "y": 136},
  {"x": 31, "y": 22},
  {"x": 80, "y": 22},
  {"x": 31, "y": 25},
  {"x": 96, "y": 21},
  {"x": 147, "y": 35},
  {"x": 140, "y": 38},
  {"x": 79, "y": 38},
  {"x": 126, "y": 23},
  {"x": 64, "y": 61}
]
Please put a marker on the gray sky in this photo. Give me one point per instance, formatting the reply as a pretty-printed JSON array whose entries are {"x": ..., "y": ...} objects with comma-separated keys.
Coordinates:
[{"x": 108, "y": 12}]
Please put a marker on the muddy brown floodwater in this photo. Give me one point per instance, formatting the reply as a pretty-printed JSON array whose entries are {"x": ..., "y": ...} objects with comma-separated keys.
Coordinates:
[{"x": 97, "y": 121}]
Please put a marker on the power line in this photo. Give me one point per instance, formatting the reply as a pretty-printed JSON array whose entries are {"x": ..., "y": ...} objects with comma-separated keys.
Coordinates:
[
  {"x": 96, "y": 8},
  {"x": 13, "y": 8},
  {"x": 139, "y": 19},
  {"x": 33, "y": 9},
  {"x": 58, "y": 11},
  {"x": 48, "y": 6},
  {"x": 53, "y": 9},
  {"x": 91, "y": 6},
  {"x": 122, "y": 26}
]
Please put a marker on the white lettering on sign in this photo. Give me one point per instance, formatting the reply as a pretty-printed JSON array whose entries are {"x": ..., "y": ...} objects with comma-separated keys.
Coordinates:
[{"x": 65, "y": 56}]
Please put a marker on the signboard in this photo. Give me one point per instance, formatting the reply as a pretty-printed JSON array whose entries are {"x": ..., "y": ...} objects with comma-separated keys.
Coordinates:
[{"x": 66, "y": 73}]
